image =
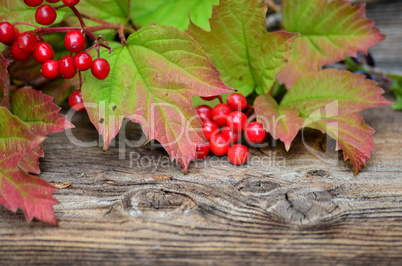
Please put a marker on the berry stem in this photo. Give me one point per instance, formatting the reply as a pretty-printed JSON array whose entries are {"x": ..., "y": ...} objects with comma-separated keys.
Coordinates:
[
  {"x": 220, "y": 99},
  {"x": 80, "y": 76},
  {"x": 275, "y": 7},
  {"x": 88, "y": 32},
  {"x": 58, "y": 7},
  {"x": 26, "y": 24},
  {"x": 250, "y": 111},
  {"x": 121, "y": 35}
]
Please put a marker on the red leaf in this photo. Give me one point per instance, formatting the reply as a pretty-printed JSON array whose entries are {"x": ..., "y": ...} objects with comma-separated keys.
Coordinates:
[{"x": 4, "y": 81}]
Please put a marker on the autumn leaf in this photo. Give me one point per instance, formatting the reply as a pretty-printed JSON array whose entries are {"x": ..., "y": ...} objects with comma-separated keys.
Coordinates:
[
  {"x": 151, "y": 82},
  {"x": 174, "y": 13},
  {"x": 18, "y": 189},
  {"x": 281, "y": 122},
  {"x": 34, "y": 115},
  {"x": 330, "y": 31},
  {"x": 248, "y": 57},
  {"x": 328, "y": 100}
]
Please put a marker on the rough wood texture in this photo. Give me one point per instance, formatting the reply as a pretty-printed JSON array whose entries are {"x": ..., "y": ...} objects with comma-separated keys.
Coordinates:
[{"x": 294, "y": 208}]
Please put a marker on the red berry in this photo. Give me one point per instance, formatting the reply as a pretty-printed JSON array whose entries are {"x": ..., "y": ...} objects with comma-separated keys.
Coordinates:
[
  {"x": 33, "y": 3},
  {"x": 50, "y": 69},
  {"x": 27, "y": 41},
  {"x": 237, "y": 102},
  {"x": 52, "y": 1},
  {"x": 83, "y": 61},
  {"x": 7, "y": 33},
  {"x": 45, "y": 15},
  {"x": 202, "y": 151},
  {"x": 74, "y": 41},
  {"x": 210, "y": 128},
  {"x": 236, "y": 121},
  {"x": 43, "y": 52},
  {"x": 220, "y": 113},
  {"x": 209, "y": 98},
  {"x": 219, "y": 145},
  {"x": 230, "y": 135},
  {"x": 67, "y": 68},
  {"x": 70, "y": 2},
  {"x": 19, "y": 54},
  {"x": 238, "y": 154},
  {"x": 204, "y": 113},
  {"x": 75, "y": 101},
  {"x": 100, "y": 68},
  {"x": 255, "y": 132}
]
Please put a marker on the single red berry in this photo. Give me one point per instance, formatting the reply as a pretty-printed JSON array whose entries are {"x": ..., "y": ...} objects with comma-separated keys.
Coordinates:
[
  {"x": 230, "y": 135},
  {"x": 71, "y": 2},
  {"x": 209, "y": 98},
  {"x": 237, "y": 102},
  {"x": 19, "y": 54},
  {"x": 75, "y": 101},
  {"x": 50, "y": 69},
  {"x": 238, "y": 154},
  {"x": 202, "y": 151},
  {"x": 210, "y": 128},
  {"x": 52, "y": 1},
  {"x": 219, "y": 145},
  {"x": 255, "y": 132},
  {"x": 45, "y": 15},
  {"x": 100, "y": 68},
  {"x": 43, "y": 52},
  {"x": 67, "y": 68},
  {"x": 83, "y": 61},
  {"x": 236, "y": 121},
  {"x": 33, "y": 3},
  {"x": 220, "y": 113},
  {"x": 204, "y": 113},
  {"x": 27, "y": 41},
  {"x": 74, "y": 41},
  {"x": 7, "y": 33}
]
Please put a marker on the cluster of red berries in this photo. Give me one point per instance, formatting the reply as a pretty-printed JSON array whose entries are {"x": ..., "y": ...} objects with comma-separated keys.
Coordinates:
[
  {"x": 223, "y": 126},
  {"x": 27, "y": 44}
]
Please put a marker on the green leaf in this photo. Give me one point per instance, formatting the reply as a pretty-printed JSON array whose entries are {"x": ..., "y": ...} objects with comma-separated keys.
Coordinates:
[
  {"x": 239, "y": 45},
  {"x": 151, "y": 82},
  {"x": 328, "y": 100},
  {"x": 330, "y": 31},
  {"x": 174, "y": 13}
]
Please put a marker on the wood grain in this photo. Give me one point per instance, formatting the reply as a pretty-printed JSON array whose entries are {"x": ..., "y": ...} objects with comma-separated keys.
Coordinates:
[{"x": 292, "y": 208}]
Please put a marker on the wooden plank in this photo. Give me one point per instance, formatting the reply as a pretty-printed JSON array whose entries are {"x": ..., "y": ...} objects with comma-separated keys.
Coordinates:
[
  {"x": 293, "y": 209},
  {"x": 281, "y": 208}
]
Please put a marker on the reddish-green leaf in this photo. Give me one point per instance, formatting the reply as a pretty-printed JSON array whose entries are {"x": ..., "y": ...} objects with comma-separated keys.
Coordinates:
[
  {"x": 239, "y": 45},
  {"x": 18, "y": 189},
  {"x": 38, "y": 111},
  {"x": 352, "y": 135},
  {"x": 281, "y": 122},
  {"x": 328, "y": 100},
  {"x": 330, "y": 31},
  {"x": 151, "y": 82}
]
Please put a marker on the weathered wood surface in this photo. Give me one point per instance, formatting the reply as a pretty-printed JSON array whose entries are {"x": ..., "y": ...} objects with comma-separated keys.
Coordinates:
[{"x": 294, "y": 208}]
